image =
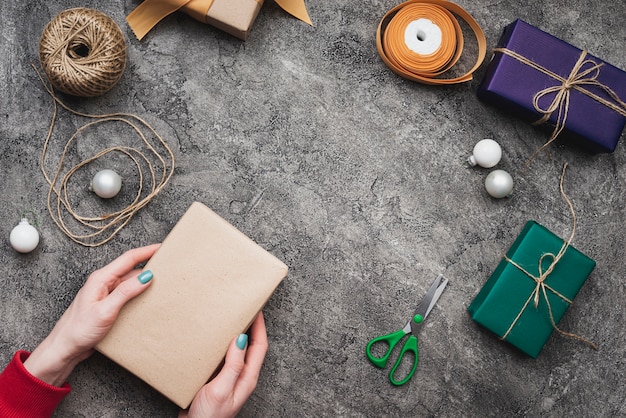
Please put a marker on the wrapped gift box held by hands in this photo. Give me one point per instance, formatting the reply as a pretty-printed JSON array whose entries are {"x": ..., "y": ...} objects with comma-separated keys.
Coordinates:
[{"x": 210, "y": 281}]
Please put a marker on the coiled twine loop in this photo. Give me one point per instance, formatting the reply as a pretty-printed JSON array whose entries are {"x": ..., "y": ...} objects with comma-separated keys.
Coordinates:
[{"x": 83, "y": 52}]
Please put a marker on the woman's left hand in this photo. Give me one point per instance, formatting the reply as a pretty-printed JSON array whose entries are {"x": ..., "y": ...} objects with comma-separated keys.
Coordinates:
[{"x": 90, "y": 316}]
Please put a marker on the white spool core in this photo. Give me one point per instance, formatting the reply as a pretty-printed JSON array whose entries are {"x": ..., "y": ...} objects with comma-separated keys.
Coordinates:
[{"x": 422, "y": 36}]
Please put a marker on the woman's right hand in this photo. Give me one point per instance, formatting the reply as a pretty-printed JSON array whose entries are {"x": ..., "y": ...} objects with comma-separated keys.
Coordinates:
[{"x": 225, "y": 395}]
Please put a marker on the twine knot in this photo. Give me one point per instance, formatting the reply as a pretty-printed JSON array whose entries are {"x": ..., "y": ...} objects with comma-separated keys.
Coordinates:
[
  {"x": 577, "y": 79},
  {"x": 541, "y": 285}
]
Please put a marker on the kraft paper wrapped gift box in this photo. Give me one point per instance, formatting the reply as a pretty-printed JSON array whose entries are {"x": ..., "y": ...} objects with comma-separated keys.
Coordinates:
[
  {"x": 233, "y": 16},
  {"x": 512, "y": 84},
  {"x": 505, "y": 304},
  {"x": 210, "y": 281}
]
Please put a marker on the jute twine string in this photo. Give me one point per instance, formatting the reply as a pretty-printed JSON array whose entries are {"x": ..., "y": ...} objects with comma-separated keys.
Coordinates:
[
  {"x": 83, "y": 52},
  {"x": 583, "y": 75},
  {"x": 541, "y": 287},
  {"x": 106, "y": 226}
]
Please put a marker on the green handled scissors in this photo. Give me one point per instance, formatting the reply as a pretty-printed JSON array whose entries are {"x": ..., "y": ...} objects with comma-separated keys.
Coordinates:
[{"x": 412, "y": 328}]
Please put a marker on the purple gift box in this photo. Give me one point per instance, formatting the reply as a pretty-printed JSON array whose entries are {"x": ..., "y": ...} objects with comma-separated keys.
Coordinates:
[{"x": 528, "y": 61}]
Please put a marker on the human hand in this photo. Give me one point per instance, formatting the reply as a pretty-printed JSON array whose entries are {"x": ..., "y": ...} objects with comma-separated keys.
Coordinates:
[
  {"x": 226, "y": 394},
  {"x": 90, "y": 316}
]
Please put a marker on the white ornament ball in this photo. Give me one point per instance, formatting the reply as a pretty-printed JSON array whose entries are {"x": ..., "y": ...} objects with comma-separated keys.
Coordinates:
[
  {"x": 106, "y": 184},
  {"x": 24, "y": 237},
  {"x": 499, "y": 184},
  {"x": 487, "y": 153}
]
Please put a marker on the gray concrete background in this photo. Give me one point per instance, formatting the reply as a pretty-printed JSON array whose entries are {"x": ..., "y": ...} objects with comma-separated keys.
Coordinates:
[{"x": 303, "y": 139}]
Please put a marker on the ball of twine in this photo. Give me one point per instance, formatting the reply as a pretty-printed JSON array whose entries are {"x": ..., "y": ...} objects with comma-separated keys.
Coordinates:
[{"x": 83, "y": 52}]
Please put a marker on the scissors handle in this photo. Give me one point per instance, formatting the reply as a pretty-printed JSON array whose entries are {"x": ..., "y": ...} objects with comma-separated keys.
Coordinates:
[
  {"x": 409, "y": 346},
  {"x": 391, "y": 340}
]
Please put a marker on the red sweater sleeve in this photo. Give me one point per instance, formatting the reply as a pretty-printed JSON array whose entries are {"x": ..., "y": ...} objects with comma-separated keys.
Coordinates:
[{"x": 22, "y": 395}]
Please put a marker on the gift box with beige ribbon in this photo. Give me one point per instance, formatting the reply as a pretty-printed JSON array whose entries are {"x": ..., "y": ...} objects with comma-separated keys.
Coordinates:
[
  {"x": 233, "y": 16},
  {"x": 549, "y": 82},
  {"x": 531, "y": 289}
]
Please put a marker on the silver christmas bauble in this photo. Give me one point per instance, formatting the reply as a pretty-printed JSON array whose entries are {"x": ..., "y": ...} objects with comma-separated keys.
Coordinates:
[
  {"x": 106, "y": 184},
  {"x": 499, "y": 184},
  {"x": 24, "y": 237}
]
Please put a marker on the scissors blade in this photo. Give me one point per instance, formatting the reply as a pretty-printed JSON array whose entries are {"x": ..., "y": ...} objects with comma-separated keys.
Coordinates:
[
  {"x": 439, "y": 284},
  {"x": 428, "y": 302},
  {"x": 407, "y": 328}
]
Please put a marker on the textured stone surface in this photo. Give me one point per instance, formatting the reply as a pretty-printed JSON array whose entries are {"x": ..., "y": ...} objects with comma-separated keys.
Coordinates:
[{"x": 303, "y": 139}]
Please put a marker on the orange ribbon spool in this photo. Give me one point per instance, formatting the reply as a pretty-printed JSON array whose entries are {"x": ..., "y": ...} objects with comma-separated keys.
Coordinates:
[{"x": 391, "y": 41}]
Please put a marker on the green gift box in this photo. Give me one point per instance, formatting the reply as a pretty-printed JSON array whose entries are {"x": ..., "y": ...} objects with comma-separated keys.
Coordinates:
[{"x": 537, "y": 280}]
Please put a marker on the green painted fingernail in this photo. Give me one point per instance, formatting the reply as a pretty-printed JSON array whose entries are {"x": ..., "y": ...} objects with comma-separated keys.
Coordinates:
[
  {"x": 242, "y": 340},
  {"x": 145, "y": 277}
]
